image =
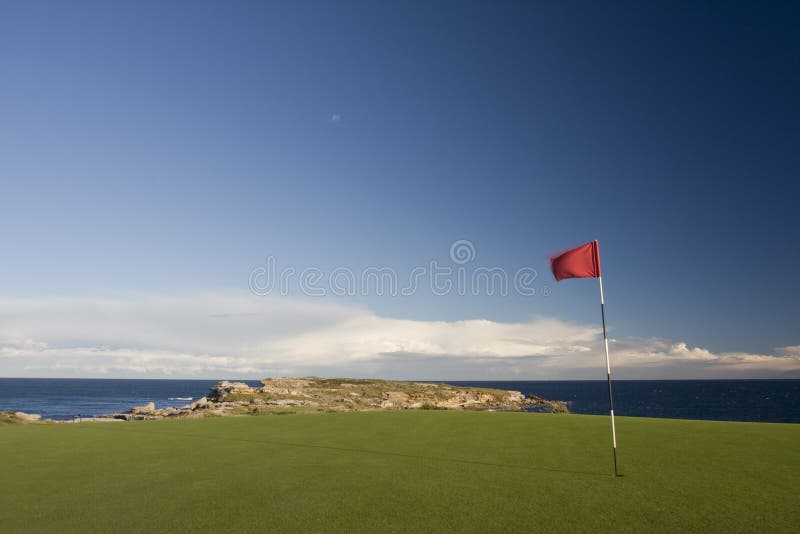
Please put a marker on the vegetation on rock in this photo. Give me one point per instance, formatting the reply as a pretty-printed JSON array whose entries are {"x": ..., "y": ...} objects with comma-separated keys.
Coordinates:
[{"x": 349, "y": 394}]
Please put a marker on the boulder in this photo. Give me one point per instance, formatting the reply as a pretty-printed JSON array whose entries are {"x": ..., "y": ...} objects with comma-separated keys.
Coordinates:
[
  {"x": 150, "y": 407},
  {"x": 199, "y": 404}
]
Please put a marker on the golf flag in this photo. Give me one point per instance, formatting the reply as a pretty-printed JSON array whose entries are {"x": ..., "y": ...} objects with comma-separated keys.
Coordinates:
[
  {"x": 584, "y": 262},
  {"x": 578, "y": 262}
]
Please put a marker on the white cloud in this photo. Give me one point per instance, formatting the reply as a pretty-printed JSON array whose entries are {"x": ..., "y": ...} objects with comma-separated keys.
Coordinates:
[
  {"x": 335, "y": 118},
  {"x": 244, "y": 336}
]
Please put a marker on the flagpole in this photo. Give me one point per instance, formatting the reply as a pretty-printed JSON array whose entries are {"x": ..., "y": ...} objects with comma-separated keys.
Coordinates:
[{"x": 608, "y": 373}]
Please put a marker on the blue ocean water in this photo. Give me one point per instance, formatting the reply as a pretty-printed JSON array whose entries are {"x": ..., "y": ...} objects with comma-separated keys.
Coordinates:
[
  {"x": 727, "y": 400},
  {"x": 64, "y": 398},
  {"x": 776, "y": 401}
]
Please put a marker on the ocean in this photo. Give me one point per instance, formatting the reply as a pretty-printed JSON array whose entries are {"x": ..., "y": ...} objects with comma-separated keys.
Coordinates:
[{"x": 724, "y": 400}]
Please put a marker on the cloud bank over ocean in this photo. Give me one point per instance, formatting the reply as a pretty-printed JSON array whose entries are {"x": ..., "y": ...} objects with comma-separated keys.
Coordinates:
[{"x": 237, "y": 335}]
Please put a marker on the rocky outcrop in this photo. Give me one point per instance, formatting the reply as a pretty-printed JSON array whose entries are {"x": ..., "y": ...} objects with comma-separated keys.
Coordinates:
[
  {"x": 310, "y": 394},
  {"x": 286, "y": 386},
  {"x": 199, "y": 404},
  {"x": 225, "y": 388},
  {"x": 395, "y": 399}
]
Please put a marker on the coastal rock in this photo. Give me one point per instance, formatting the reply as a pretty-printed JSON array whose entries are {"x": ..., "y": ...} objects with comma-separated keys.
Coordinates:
[
  {"x": 28, "y": 417},
  {"x": 515, "y": 396},
  {"x": 395, "y": 399},
  {"x": 285, "y": 386},
  {"x": 199, "y": 404},
  {"x": 148, "y": 408},
  {"x": 224, "y": 388}
]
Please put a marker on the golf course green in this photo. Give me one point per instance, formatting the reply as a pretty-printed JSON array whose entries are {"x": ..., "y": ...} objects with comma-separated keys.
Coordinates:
[{"x": 412, "y": 470}]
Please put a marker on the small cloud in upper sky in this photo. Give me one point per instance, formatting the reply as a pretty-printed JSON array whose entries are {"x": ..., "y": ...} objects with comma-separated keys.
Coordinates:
[{"x": 335, "y": 118}]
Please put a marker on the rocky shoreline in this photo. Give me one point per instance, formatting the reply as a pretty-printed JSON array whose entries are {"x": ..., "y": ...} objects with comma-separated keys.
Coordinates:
[{"x": 311, "y": 394}]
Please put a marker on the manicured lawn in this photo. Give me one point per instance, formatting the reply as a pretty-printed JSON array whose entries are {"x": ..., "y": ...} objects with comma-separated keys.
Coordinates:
[{"x": 399, "y": 471}]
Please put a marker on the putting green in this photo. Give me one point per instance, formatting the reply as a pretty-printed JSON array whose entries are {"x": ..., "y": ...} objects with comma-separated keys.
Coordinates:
[{"x": 400, "y": 471}]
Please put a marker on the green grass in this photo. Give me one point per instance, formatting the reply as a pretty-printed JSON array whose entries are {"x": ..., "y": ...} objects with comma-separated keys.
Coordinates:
[{"x": 399, "y": 471}]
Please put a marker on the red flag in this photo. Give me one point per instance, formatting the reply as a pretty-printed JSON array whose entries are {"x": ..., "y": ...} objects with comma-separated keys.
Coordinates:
[{"x": 578, "y": 262}]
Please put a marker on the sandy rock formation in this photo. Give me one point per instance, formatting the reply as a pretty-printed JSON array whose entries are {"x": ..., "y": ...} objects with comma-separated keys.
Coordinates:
[
  {"x": 310, "y": 394},
  {"x": 224, "y": 388}
]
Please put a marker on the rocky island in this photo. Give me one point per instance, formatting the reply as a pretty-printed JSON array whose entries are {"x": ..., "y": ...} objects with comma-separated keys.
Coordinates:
[{"x": 312, "y": 394}]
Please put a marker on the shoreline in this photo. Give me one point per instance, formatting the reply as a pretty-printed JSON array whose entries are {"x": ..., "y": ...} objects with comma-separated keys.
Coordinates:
[
  {"x": 772, "y": 401},
  {"x": 313, "y": 394}
]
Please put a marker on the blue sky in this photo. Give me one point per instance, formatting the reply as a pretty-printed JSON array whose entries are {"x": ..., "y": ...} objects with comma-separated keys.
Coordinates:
[{"x": 165, "y": 150}]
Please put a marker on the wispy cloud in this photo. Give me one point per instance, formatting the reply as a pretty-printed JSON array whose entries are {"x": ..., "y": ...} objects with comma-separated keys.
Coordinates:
[
  {"x": 335, "y": 118},
  {"x": 246, "y": 336}
]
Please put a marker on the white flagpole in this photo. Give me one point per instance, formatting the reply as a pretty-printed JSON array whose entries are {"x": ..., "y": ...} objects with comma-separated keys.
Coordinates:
[{"x": 608, "y": 370}]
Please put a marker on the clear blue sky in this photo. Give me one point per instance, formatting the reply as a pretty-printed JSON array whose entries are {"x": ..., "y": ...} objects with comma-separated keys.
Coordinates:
[{"x": 169, "y": 147}]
